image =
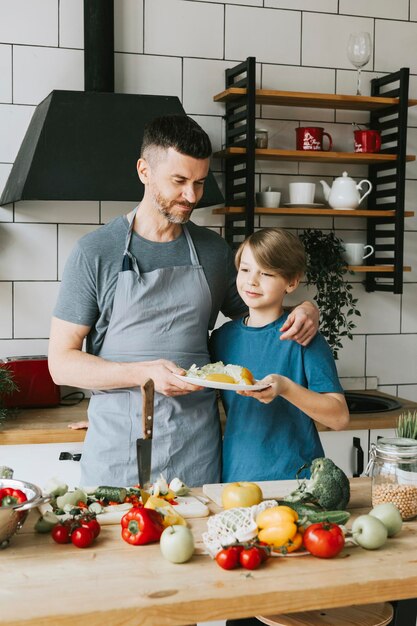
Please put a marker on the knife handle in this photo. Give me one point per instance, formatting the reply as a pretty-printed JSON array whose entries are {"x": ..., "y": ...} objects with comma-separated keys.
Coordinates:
[{"x": 148, "y": 392}]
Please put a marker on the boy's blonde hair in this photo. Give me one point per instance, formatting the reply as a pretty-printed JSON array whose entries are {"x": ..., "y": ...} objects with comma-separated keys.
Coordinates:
[{"x": 276, "y": 249}]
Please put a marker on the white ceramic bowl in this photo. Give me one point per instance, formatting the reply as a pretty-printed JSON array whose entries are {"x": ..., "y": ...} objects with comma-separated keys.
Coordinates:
[{"x": 269, "y": 199}]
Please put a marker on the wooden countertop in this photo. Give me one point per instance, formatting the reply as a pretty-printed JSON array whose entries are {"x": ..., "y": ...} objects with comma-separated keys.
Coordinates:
[
  {"x": 113, "y": 583},
  {"x": 50, "y": 425}
]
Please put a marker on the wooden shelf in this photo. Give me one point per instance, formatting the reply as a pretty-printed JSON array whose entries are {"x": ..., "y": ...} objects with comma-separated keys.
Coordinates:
[
  {"x": 311, "y": 100},
  {"x": 234, "y": 210},
  {"x": 315, "y": 156},
  {"x": 376, "y": 268}
]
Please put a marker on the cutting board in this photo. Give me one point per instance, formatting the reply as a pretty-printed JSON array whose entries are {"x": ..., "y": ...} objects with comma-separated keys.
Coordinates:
[{"x": 271, "y": 489}]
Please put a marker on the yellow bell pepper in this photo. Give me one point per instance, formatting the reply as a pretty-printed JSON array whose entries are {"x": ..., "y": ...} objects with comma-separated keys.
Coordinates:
[
  {"x": 278, "y": 526},
  {"x": 166, "y": 509},
  {"x": 293, "y": 544}
]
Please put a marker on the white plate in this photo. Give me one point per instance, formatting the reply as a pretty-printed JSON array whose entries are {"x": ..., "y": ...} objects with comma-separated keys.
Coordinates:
[
  {"x": 289, "y": 554},
  {"x": 301, "y": 205},
  {"x": 214, "y": 384}
]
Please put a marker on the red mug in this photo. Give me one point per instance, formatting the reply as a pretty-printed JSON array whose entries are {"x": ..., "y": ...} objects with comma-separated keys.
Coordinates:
[
  {"x": 367, "y": 140},
  {"x": 311, "y": 138}
]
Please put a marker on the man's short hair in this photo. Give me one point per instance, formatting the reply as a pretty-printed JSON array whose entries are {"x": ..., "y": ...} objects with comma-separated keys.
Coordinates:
[{"x": 179, "y": 132}]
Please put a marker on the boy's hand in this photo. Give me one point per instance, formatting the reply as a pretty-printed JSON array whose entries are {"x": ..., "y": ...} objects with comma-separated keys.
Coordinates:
[
  {"x": 302, "y": 324},
  {"x": 276, "y": 383}
]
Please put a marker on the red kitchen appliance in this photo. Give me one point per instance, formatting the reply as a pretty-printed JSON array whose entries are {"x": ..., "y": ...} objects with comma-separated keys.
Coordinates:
[{"x": 35, "y": 385}]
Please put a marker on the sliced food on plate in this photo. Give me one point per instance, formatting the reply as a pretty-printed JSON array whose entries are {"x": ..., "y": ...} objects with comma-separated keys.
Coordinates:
[{"x": 220, "y": 376}]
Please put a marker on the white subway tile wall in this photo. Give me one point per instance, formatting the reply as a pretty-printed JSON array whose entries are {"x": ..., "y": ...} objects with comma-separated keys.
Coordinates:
[
  {"x": 181, "y": 48},
  {"x": 148, "y": 74},
  {"x": 128, "y": 25}
]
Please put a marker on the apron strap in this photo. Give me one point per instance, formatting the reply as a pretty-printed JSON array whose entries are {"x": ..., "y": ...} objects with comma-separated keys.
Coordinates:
[
  {"x": 129, "y": 262},
  {"x": 193, "y": 252}
]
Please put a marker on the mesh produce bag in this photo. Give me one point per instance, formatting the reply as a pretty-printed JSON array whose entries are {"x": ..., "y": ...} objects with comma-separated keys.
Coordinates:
[{"x": 233, "y": 526}]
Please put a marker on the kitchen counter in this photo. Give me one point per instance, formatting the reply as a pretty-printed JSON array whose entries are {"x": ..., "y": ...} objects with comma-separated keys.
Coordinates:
[
  {"x": 50, "y": 425},
  {"x": 114, "y": 583}
]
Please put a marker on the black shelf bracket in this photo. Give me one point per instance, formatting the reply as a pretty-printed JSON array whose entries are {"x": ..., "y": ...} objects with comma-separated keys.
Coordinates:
[
  {"x": 240, "y": 170},
  {"x": 386, "y": 235}
]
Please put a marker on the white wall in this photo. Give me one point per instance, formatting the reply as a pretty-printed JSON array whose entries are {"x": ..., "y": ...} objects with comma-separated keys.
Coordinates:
[{"x": 182, "y": 47}]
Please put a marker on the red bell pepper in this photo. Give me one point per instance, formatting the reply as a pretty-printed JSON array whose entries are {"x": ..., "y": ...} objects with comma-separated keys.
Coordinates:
[
  {"x": 11, "y": 497},
  {"x": 141, "y": 526}
]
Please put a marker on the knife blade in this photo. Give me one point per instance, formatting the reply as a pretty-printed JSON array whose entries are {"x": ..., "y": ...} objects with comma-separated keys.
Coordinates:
[{"x": 144, "y": 444}]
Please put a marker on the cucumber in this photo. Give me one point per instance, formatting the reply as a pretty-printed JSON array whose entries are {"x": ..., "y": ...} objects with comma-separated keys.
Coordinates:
[
  {"x": 315, "y": 515},
  {"x": 111, "y": 494}
]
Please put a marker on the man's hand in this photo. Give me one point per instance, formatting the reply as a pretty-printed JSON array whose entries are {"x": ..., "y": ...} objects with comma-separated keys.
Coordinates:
[
  {"x": 302, "y": 324},
  {"x": 162, "y": 373}
]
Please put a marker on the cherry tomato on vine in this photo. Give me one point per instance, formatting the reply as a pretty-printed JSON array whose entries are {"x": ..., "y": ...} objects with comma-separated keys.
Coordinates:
[
  {"x": 265, "y": 552},
  {"x": 82, "y": 537},
  {"x": 251, "y": 558},
  {"x": 93, "y": 525},
  {"x": 324, "y": 540},
  {"x": 61, "y": 533},
  {"x": 228, "y": 558}
]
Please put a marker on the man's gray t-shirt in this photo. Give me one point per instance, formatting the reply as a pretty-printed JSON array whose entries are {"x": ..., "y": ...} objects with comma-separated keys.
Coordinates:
[{"x": 90, "y": 275}]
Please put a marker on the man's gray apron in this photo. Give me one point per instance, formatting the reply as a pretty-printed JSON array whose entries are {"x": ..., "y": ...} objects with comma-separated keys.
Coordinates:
[{"x": 158, "y": 314}]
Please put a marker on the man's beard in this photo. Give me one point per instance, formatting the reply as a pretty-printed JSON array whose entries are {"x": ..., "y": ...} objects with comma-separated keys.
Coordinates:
[{"x": 164, "y": 208}]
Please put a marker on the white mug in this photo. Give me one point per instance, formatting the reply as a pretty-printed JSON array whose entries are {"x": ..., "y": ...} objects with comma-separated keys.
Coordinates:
[
  {"x": 355, "y": 253},
  {"x": 302, "y": 193}
]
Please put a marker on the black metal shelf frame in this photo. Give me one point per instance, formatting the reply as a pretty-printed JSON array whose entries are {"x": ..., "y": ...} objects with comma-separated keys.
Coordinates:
[
  {"x": 388, "y": 182},
  {"x": 386, "y": 234}
]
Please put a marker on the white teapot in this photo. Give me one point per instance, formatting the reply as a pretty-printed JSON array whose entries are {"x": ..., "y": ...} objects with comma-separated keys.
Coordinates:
[{"x": 344, "y": 194}]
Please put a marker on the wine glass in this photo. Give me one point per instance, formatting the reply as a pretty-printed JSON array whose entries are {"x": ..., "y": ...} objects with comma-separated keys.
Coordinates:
[{"x": 359, "y": 50}]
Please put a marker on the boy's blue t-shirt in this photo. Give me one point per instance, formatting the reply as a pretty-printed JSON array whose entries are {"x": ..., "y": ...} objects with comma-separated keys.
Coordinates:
[{"x": 270, "y": 441}]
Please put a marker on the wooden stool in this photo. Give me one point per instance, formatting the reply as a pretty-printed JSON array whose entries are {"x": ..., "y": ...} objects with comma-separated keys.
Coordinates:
[{"x": 377, "y": 614}]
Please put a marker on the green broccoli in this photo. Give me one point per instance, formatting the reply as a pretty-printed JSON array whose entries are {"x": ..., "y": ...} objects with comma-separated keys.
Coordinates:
[{"x": 328, "y": 486}]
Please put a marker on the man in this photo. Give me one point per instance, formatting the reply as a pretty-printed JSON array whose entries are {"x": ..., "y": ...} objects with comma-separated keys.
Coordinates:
[{"x": 144, "y": 290}]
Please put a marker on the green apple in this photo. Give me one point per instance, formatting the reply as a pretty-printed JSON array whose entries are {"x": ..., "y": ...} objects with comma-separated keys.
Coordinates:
[
  {"x": 369, "y": 532},
  {"x": 177, "y": 544},
  {"x": 390, "y": 516}
]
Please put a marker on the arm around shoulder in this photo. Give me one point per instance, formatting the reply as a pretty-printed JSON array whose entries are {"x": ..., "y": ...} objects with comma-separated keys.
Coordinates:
[{"x": 302, "y": 323}]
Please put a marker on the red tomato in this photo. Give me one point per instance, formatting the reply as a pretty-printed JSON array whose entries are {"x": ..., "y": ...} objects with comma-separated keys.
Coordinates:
[
  {"x": 61, "y": 533},
  {"x": 251, "y": 558},
  {"x": 229, "y": 557},
  {"x": 264, "y": 552},
  {"x": 324, "y": 540},
  {"x": 82, "y": 537},
  {"x": 93, "y": 525}
]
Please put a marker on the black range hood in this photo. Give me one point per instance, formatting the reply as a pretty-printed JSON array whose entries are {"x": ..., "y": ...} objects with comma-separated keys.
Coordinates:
[{"x": 83, "y": 145}]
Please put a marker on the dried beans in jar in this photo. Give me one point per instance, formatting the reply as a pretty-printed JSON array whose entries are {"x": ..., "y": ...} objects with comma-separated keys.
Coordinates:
[{"x": 393, "y": 468}]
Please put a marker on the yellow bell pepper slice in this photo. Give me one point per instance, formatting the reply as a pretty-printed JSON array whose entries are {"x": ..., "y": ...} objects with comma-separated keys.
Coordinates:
[{"x": 168, "y": 512}]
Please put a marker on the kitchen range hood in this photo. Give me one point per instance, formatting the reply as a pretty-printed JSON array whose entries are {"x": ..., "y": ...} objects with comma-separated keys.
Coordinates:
[{"x": 84, "y": 145}]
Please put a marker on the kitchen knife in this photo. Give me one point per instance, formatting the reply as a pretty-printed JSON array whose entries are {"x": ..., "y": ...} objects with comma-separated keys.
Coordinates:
[{"x": 144, "y": 445}]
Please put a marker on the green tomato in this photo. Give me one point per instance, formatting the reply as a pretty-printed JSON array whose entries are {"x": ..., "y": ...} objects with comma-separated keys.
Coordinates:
[
  {"x": 390, "y": 516},
  {"x": 177, "y": 544},
  {"x": 369, "y": 532}
]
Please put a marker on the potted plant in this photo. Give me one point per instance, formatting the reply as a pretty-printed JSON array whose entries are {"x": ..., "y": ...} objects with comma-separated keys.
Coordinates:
[
  {"x": 7, "y": 386},
  {"x": 407, "y": 425},
  {"x": 327, "y": 271}
]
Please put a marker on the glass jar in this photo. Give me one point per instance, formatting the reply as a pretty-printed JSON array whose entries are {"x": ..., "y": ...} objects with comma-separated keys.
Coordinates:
[
  {"x": 261, "y": 138},
  {"x": 393, "y": 468}
]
